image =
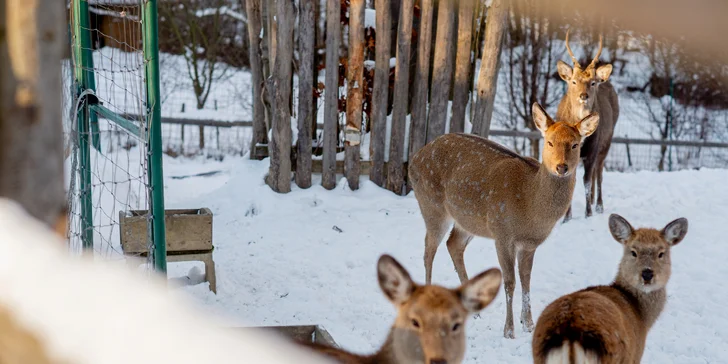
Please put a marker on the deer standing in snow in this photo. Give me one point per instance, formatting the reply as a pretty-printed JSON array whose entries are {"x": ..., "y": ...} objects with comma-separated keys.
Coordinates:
[
  {"x": 489, "y": 191},
  {"x": 589, "y": 91},
  {"x": 609, "y": 324},
  {"x": 430, "y": 323}
]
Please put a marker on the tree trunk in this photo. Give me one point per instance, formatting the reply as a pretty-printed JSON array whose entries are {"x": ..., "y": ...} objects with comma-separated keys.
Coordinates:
[
  {"x": 495, "y": 28},
  {"x": 331, "y": 97},
  {"x": 202, "y": 138},
  {"x": 260, "y": 134},
  {"x": 395, "y": 170},
  {"x": 418, "y": 128},
  {"x": 354, "y": 94},
  {"x": 279, "y": 175},
  {"x": 462, "y": 66},
  {"x": 306, "y": 112},
  {"x": 442, "y": 70},
  {"x": 31, "y": 132},
  {"x": 380, "y": 91}
]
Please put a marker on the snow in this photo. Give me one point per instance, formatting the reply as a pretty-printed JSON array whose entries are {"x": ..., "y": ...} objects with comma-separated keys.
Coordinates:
[
  {"x": 370, "y": 18},
  {"x": 309, "y": 257},
  {"x": 90, "y": 312}
]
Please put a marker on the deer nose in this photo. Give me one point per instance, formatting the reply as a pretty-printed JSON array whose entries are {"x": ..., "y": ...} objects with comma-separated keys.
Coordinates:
[
  {"x": 647, "y": 275},
  {"x": 562, "y": 168},
  {"x": 438, "y": 361},
  {"x": 584, "y": 96}
]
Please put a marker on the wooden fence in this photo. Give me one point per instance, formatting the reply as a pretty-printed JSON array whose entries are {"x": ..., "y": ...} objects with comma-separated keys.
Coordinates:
[{"x": 428, "y": 77}]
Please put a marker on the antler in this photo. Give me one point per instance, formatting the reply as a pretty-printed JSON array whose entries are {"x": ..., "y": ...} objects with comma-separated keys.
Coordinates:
[
  {"x": 599, "y": 52},
  {"x": 576, "y": 61}
]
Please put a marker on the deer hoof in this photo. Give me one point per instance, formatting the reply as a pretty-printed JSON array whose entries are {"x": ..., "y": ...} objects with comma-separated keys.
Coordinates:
[
  {"x": 600, "y": 209},
  {"x": 508, "y": 334},
  {"x": 566, "y": 219}
]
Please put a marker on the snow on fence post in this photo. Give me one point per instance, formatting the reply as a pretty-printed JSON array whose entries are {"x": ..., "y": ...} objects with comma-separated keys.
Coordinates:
[
  {"x": 380, "y": 91},
  {"x": 260, "y": 134},
  {"x": 395, "y": 170},
  {"x": 331, "y": 98},
  {"x": 354, "y": 93},
  {"x": 306, "y": 40},
  {"x": 462, "y": 66},
  {"x": 279, "y": 175},
  {"x": 495, "y": 28},
  {"x": 418, "y": 128},
  {"x": 442, "y": 70}
]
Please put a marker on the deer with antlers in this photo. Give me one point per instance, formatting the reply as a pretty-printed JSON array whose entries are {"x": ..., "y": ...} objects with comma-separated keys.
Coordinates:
[{"x": 589, "y": 91}]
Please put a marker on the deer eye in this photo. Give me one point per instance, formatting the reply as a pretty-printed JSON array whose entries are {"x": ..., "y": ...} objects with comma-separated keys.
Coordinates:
[
  {"x": 661, "y": 255},
  {"x": 574, "y": 146},
  {"x": 415, "y": 323},
  {"x": 455, "y": 327},
  {"x": 550, "y": 145},
  {"x": 634, "y": 253},
  {"x": 574, "y": 82},
  {"x": 593, "y": 83}
]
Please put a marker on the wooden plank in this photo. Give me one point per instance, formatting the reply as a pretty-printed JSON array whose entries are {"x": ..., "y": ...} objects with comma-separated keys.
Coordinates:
[
  {"x": 442, "y": 70},
  {"x": 260, "y": 134},
  {"x": 306, "y": 111},
  {"x": 495, "y": 28},
  {"x": 380, "y": 91},
  {"x": 354, "y": 93},
  {"x": 279, "y": 174},
  {"x": 418, "y": 129},
  {"x": 462, "y": 66},
  {"x": 331, "y": 96},
  {"x": 395, "y": 178},
  {"x": 187, "y": 230}
]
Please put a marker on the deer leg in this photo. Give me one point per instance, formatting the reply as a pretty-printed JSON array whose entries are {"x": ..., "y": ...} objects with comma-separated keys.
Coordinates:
[
  {"x": 507, "y": 260},
  {"x": 567, "y": 217},
  {"x": 600, "y": 171},
  {"x": 525, "y": 265},
  {"x": 588, "y": 174},
  {"x": 593, "y": 185},
  {"x": 456, "y": 244},
  {"x": 437, "y": 223}
]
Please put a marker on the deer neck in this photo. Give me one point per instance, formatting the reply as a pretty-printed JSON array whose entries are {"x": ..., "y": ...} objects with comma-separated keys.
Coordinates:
[
  {"x": 399, "y": 348},
  {"x": 574, "y": 110},
  {"x": 649, "y": 305},
  {"x": 551, "y": 194}
]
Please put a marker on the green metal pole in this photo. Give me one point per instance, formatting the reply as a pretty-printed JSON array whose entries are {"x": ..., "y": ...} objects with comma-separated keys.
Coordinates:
[
  {"x": 83, "y": 72},
  {"x": 156, "y": 181}
]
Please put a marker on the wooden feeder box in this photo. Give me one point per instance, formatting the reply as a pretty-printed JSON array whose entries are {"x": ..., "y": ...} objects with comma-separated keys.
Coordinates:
[{"x": 188, "y": 235}]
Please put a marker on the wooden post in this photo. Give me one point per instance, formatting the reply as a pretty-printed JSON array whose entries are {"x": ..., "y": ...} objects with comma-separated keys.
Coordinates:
[
  {"x": 418, "y": 129},
  {"x": 306, "y": 111},
  {"x": 31, "y": 152},
  {"x": 442, "y": 70},
  {"x": 260, "y": 134},
  {"x": 279, "y": 175},
  {"x": 495, "y": 29},
  {"x": 380, "y": 91},
  {"x": 354, "y": 93},
  {"x": 462, "y": 66},
  {"x": 331, "y": 97},
  {"x": 395, "y": 167}
]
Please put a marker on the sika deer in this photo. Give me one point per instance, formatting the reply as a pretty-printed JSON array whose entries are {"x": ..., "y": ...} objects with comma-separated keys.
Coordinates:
[
  {"x": 609, "y": 324},
  {"x": 430, "y": 323},
  {"x": 490, "y": 191},
  {"x": 589, "y": 91}
]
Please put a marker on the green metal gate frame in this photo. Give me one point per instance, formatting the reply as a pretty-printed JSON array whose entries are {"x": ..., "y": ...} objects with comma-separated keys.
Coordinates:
[{"x": 87, "y": 120}]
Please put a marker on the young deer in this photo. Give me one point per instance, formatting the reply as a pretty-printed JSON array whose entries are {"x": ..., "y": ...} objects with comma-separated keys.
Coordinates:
[
  {"x": 490, "y": 191},
  {"x": 430, "y": 323},
  {"x": 609, "y": 324},
  {"x": 589, "y": 91}
]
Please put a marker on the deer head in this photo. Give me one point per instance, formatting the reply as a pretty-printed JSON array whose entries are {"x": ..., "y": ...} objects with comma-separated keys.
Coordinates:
[
  {"x": 430, "y": 323},
  {"x": 645, "y": 263},
  {"x": 582, "y": 83},
  {"x": 562, "y": 141}
]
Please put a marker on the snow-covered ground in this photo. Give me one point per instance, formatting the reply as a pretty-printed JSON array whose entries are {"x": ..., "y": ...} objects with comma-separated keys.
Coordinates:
[{"x": 309, "y": 257}]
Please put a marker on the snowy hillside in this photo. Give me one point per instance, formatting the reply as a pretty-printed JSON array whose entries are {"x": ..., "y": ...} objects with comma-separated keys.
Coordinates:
[{"x": 309, "y": 257}]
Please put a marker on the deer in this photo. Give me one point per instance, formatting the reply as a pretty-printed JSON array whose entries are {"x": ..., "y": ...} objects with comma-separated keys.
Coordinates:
[
  {"x": 609, "y": 324},
  {"x": 588, "y": 91},
  {"x": 484, "y": 189},
  {"x": 430, "y": 323}
]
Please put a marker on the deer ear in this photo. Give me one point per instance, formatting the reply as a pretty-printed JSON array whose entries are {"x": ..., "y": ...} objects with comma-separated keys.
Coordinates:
[
  {"x": 565, "y": 71},
  {"x": 620, "y": 228},
  {"x": 604, "y": 72},
  {"x": 540, "y": 118},
  {"x": 675, "y": 231},
  {"x": 479, "y": 292},
  {"x": 588, "y": 125},
  {"x": 394, "y": 280}
]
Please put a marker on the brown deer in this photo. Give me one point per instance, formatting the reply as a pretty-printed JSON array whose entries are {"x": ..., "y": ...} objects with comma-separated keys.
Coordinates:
[
  {"x": 589, "y": 91},
  {"x": 489, "y": 191},
  {"x": 609, "y": 324},
  {"x": 430, "y": 323}
]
